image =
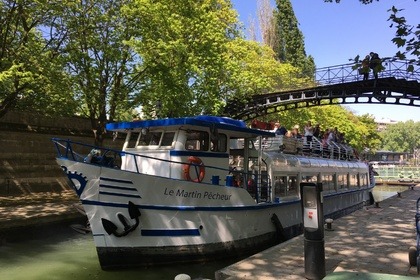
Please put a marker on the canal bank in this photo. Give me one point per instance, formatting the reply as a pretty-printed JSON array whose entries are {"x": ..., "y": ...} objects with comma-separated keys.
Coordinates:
[
  {"x": 363, "y": 245},
  {"x": 22, "y": 213}
]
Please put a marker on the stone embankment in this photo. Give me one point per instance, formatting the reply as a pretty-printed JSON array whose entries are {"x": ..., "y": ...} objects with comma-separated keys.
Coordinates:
[{"x": 27, "y": 154}]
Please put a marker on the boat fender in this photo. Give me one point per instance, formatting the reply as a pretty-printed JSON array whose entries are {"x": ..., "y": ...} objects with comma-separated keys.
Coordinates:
[
  {"x": 134, "y": 214},
  {"x": 196, "y": 162},
  {"x": 281, "y": 236}
]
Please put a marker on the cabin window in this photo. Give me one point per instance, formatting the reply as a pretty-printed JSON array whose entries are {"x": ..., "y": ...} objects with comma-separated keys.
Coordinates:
[
  {"x": 293, "y": 186},
  {"x": 238, "y": 143},
  {"x": 150, "y": 139},
  {"x": 353, "y": 181},
  {"x": 328, "y": 182},
  {"x": 363, "y": 180},
  {"x": 310, "y": 178},
  {"x": 280, "y": 186},
  {"x": 132, "y": 142},
  {"x": 342, "y": 181},
  {"x": 219, "y": 144},
  {"x": 168, "y": 138},
  {"x": 197, "y": 140},
  {"x": 285, "y": 186}
]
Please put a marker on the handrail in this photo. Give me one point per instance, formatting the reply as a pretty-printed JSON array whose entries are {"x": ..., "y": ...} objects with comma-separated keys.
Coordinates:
[
  {"x": 344, "y": 73},
  {"x": 315, "y": 148}
]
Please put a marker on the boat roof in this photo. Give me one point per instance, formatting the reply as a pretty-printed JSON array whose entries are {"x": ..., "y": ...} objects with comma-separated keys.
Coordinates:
[{"x": 237, "y": 126}]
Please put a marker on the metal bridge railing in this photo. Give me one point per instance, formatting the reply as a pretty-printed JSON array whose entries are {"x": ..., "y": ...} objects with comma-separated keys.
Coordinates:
[{"x": 392, "y": 67}]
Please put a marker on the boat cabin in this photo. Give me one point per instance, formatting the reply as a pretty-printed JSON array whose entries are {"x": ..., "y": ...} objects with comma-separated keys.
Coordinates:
[{"x": 199, "y": 149}]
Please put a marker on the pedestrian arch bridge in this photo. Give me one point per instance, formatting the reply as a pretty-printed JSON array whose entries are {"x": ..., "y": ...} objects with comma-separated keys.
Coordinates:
[{"x": 398, "y": 84}]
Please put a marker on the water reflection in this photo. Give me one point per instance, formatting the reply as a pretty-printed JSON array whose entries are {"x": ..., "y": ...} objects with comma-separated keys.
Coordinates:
[
  {"x": 58, "y": 252},
  {"x": 64, "y": 254},
  {"x": 383, "y": 192}
]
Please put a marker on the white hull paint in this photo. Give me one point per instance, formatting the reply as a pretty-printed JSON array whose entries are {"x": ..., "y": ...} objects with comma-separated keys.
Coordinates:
[{"x": 181, "y": 219}]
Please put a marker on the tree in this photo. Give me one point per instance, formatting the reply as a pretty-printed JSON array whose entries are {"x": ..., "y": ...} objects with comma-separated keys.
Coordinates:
[
  {"x": 289, "y": 42},
  {"x": 91, "y": 38},
  {"x": 182, "y": 46},
  {"x": 31, "y": 76},
  {"x": 406, "y": 36},
  {"x": 195, "y": 58},
  {"x": 401, "y": 137}
]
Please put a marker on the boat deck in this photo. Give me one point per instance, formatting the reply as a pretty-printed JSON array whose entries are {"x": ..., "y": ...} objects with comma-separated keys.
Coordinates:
[{"x": 372, "y": 241}]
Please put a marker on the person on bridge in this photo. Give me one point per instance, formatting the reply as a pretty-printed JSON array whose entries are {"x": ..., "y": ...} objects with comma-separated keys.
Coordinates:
[
  {"x": 375, "y": 64},
  {"x": 365, "y": 68}
]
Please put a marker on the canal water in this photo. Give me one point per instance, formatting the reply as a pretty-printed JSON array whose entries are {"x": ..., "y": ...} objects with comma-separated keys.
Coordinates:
[{"x": 58, "y": 252}]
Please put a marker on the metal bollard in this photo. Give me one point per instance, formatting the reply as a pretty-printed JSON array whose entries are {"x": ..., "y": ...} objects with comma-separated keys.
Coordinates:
[
  {"x": 182, "y": 277},
  {"x": 329, "y": 224}
]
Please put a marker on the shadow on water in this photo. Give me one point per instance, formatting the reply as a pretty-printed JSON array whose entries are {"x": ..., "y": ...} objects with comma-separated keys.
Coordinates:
[{"x": 58, "y": 252}]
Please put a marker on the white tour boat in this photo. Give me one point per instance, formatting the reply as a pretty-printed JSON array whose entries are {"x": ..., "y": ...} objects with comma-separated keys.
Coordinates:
[{"x": 201, "y": 188}]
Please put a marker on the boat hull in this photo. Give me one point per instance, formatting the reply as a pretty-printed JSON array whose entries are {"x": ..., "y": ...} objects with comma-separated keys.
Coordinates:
[{"x": 185, "y": 221}]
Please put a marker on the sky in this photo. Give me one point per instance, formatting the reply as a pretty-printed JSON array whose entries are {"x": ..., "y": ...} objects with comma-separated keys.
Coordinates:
[{"x": 335, "y": 33}]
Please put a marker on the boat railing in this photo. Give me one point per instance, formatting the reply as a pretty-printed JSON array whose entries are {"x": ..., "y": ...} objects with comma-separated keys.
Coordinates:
[
  {"x": 107, "y": 157},
  {"x": 313, "y": 148}
]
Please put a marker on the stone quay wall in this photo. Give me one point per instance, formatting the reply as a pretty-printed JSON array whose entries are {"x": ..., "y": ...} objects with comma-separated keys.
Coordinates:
[{"x": 27, "y": 154}]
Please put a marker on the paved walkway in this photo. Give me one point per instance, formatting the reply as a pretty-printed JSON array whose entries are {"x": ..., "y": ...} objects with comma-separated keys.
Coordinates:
[
  {"x": 372, "y": 240},
  {"x": 37, "y": 209}
]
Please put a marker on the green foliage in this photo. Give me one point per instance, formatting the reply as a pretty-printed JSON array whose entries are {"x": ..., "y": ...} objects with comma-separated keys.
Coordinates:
[
  {"x": 90, "y": 36},
  {"x": 290, "y": 46},
  {"x": 31, "y": 76},
  {"x": 182, "y": 46},
  {"x": 194, "y": 58},
  {"x": 401, "y": 137},
  {"x": 406, "y": 35}
]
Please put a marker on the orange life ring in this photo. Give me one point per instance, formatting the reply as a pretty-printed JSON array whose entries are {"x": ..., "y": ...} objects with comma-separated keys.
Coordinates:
[{"x": 195, "y": 162}]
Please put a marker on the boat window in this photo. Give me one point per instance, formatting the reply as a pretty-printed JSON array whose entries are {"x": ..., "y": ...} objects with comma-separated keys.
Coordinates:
[
  {"x": 150, "y": 138},
  {"x": 219, "y": 144},
  {"x": 342, "y": 181},
  {"x": 280, "y": 186},
  {"x": 353, "y": 181},
  {"x": 168, "y": 138},
  {"x": 328, "y": 182},
  {"x": 285, "y": 186},
  {"x": 363, "y": 180},
  {"x": 132, "y": 142},
  {"x": 293, "y": 186},
  {"x": 197, "y": 140},
  {"x": 309, "y": 178},
  {"x": 238, "y": 143}
]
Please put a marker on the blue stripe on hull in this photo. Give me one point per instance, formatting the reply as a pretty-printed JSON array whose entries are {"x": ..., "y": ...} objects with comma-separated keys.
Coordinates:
[
  {"x": 116, "y": 180},
  {"x": 119, "y": 194},
  {"x": 170, "y": 232}
]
